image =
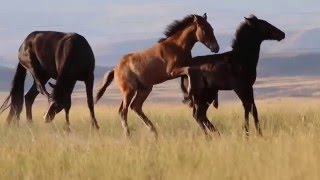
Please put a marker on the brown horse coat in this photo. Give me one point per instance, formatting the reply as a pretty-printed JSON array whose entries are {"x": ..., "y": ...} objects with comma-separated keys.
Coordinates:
[{"x": 137, "y": 72}]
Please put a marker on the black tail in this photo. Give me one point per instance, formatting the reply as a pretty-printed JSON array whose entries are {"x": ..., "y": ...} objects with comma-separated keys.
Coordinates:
[
  {"x": 16, "y": 93},
  {"x": 107, "y": 79}
]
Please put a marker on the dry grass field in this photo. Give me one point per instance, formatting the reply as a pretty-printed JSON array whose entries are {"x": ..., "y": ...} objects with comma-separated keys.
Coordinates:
[{"x": 290, "y": 148}]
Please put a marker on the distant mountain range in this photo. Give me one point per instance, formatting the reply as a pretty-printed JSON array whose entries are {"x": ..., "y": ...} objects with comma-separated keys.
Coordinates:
[
  {"x": 304, "y": 64},
  {"x": 109, "y": 53},
  {"x": 6, "y": 76},
  {"x": 296, "y": 42},
  {"x": 297, "y": 55}
]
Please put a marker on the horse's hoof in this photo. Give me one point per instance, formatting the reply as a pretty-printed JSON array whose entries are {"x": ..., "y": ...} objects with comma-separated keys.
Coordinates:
[
  {"x": 47, "y": 120},
  {"x": 67, "y": 129}
]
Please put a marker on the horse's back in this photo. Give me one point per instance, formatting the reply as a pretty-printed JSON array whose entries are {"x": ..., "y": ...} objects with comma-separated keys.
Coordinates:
[
  {"x": 211, "y": 59},
  {"x": 148, "y": 67},
  {"x": 51, "y": 39},
  {"x": 75, "y": 51},
  {"x": 53, "y": 50}
]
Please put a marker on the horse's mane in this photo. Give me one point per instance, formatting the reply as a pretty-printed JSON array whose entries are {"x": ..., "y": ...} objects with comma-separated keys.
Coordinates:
[
  {"x": 178, "y": 25},
  {"x": 243, "y": 34}
]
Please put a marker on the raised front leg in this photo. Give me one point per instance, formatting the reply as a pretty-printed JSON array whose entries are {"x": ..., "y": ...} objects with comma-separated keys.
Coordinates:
[{"x": 30, "y": 97}]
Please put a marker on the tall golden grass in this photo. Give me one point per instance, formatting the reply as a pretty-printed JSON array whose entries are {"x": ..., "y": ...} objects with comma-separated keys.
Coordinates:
[{"x": 290, "y": 148}]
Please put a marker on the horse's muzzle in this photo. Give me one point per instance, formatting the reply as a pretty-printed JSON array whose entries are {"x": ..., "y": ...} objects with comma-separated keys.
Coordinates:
[
  {"x": 280, "y": 36},
  {"x": 215, "y": 48}
]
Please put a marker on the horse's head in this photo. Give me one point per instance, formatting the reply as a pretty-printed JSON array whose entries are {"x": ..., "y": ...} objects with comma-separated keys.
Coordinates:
[
  {"x": 264, "y": 29},
  {"x": 205, "y": 34}
]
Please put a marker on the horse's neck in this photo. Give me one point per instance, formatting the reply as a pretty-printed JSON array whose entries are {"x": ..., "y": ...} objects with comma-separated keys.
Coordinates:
[
  {"x": 248, "y": 53},
  {"x": 185, "y": 39},
  {"x": 63, "y": 88}
]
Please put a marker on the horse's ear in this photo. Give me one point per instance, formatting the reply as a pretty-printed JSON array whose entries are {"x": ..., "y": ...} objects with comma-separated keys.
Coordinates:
[
  {"x": 195, "y": 18},
  {"x": 249, "y": 21},
  {"x": 205, "y": 16}
]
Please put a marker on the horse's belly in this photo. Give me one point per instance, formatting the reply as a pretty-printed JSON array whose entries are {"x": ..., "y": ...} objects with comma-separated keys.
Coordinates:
[
  {"x": 50, "y": 68},
  {"x": 154, "y": 78},
  {"x": 220, "y": 79},
  {"x": 151, "y": 73}
]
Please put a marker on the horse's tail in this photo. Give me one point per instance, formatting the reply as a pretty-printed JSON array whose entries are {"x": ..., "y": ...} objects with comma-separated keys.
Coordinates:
[
  {"x": 107, "y": 79},
  {"x": 16, "y": 92}
]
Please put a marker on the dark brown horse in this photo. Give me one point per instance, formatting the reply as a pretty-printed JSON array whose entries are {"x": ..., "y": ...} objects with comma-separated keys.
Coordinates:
[
  {"x": 234, "y": 70},
  {"x": 137, "y": 72},
  {"x": 66, "y": 57}
]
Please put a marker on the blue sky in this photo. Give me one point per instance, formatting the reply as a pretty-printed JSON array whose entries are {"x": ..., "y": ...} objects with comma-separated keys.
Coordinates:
[{"x": 104, "y": 22}]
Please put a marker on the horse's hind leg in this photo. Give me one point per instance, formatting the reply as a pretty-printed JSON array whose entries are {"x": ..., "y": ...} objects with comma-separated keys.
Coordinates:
[
  {"x": 89, "y": 87},
  {"x": 67, "y": 106},
  {"x": 29, "y": 100},
  {"x": 127, "y": 95},
  {"x": 120, "y": 108},
  {"x": 136, "y": 106},
  {"x": 199, "y": 114},
  {"x": 67, "y": 110},
  {"x": 210, "y": 126},
  {"x": 244, "y": 97}
]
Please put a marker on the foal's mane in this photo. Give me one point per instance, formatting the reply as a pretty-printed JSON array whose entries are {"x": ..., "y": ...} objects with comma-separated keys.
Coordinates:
[
  {"x": 244, "y": 34},
  {"x": 178, "y": 25}
]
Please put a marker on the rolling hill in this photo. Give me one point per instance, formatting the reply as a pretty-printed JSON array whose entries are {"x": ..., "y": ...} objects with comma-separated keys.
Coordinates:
[
  {"x": 296, "y": 43},
  {"x": 287, "y": 68}
]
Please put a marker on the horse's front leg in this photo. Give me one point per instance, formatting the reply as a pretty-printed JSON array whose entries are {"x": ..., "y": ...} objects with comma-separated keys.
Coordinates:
[
  {"x": 247, "y": 98},
  {"x": 254, "y": 112}
]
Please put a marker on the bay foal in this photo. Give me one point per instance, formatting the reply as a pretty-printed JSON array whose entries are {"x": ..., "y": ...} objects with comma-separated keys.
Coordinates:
[{"x": 137, "y": 72}]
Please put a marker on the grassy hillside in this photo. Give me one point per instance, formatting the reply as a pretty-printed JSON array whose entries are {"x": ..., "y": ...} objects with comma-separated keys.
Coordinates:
[{"x": 289, "y": 149}]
